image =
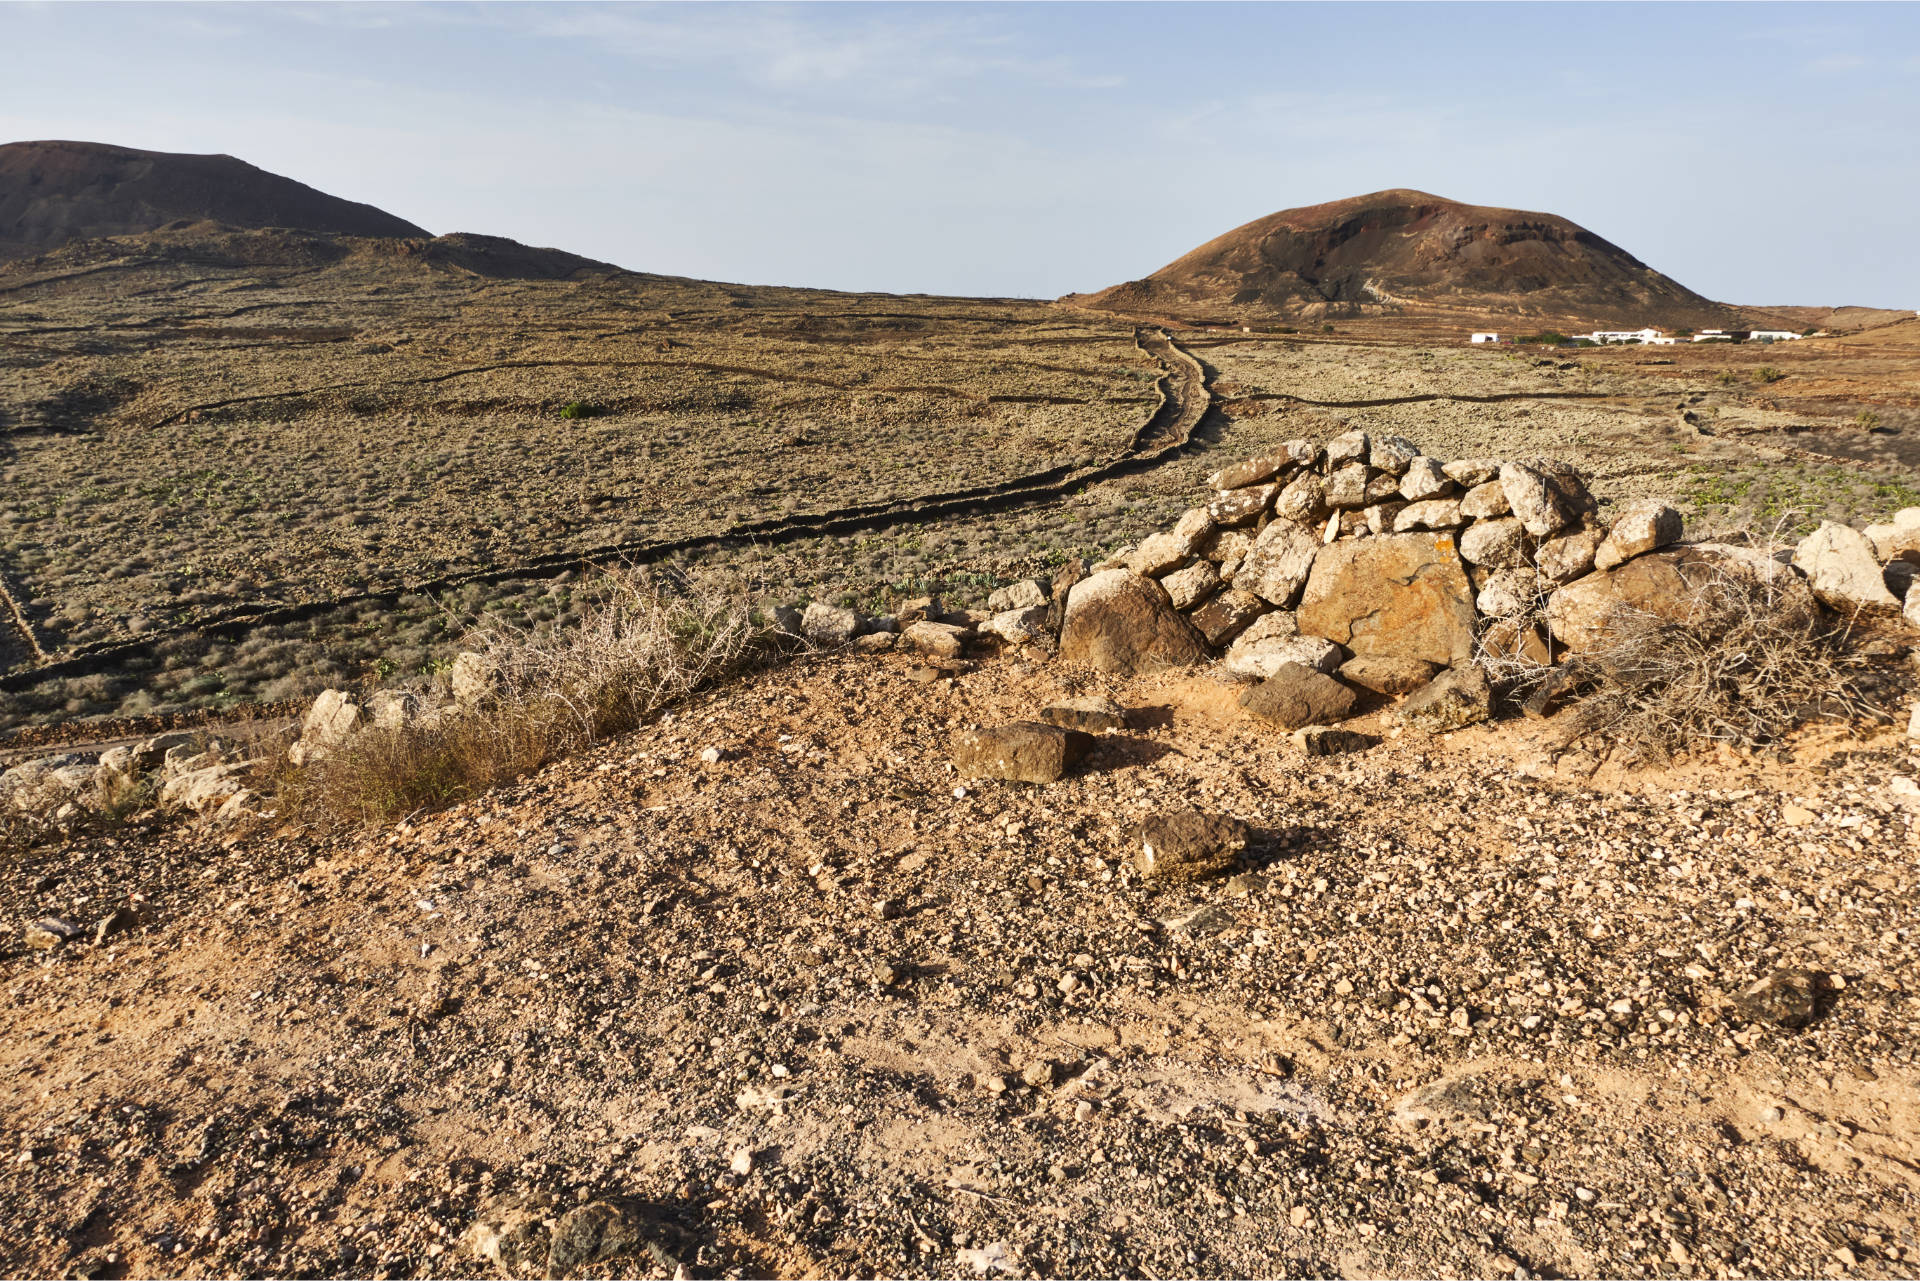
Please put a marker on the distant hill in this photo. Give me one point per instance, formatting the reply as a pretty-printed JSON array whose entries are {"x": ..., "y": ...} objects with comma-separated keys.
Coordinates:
[
  {"x": 53, "y": 193},
  {"x": 1406, "y": 251}
]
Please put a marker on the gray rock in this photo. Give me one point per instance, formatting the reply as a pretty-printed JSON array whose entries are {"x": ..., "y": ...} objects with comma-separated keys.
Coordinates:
[
  {"x": 1786, "y": 998},
  {"x": 48, "y": 933},
  {"x": 1434, "y": 513},
  {"x": 1263, "y": 658},
  {"x": 1186, "y": 845},
  {"x": 333, "y": 718},
  {"x": 1424, "y": 480},
  {"x": 1304, "y": 499},
  {"x": 1563, "y": 559},
  {"x": 1382, "y": 488},
  {"x": 1159, "y": 554},
  {"x": 1538, "y": 505},
  {"x": 1018, "y": 626},
  {"x": 1381, "y": 516},
  {"x": 829, "y": 625},
  {"x": 592, "y": 1234},
  {"x": 1278, "y": 565},
  {"x": 41, "y": 787},
  {"x": 204, "y": 790},
  {"x": 1070, "y": 574},
  {"x": 1347, "y": 487},
  {"x": 1226, "y": 544},
  {"x": 937, "y": 640},
  {"x": 1348, "y": 447},
  {"x": 151, "y": 753},
  {"x": 1843, "y": 571},
  {"x": 1188, "y": 587},
  {"x": 1242, "y": 506},
  {"x": 1092, "y": 715},
  {"x": 1251, "y": 472},
  {"x": 1393, "y": 454},
  {"x": 394, "y": 708},
  {"x": 1023, "y": 752},
  {"x": 1510, "y": 592},
  {"x": 1495, "y": 544},
  {"x": 1457, "y": 697},
  {"x": 1272, "y": 626},
  {"x": 1028, "y": 593},
  {"x": 1485, "y": 502},
  {"x": 1640, "y": 528},
  {"x": 1472, "y": 471},
  {"x": 1297, "y": 696},
  {"x": 786, "y": 620},
  {"x": 473, "y": 679}
]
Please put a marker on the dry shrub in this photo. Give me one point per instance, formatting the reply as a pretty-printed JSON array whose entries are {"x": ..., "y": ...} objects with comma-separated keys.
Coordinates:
[
  {"x": 643, "y": 644},
  {"x": 1742, "y": 672}
]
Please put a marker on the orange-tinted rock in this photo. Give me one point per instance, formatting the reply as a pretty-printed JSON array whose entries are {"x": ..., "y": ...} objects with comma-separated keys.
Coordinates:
[
  {"x": 1119, "y": 621},
  {"x": 1400, "y": 596}
]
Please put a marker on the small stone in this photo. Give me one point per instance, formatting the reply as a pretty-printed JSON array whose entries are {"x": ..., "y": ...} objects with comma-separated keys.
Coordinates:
[
  {"x": 887, "y": 909},
  {"x": 1019, "y": 626},
  {"x": 1225, "y": 616},
  {"x": 1322, "y": 740},
  {"x": 1259, "y": 658},
  {"x": 1159, "y": 554},
  {"x": 1304, "y": 499},
  {"x": 1533, "y": 500},
  {"x": 1457, "y": 697},
  {"x": 1495, "y": 544},
  {"x": 1395, "y": 454},
  {"x": 741, "y": 1162},
  {"x": 50, "y": 932},
  {"x": 1028, "y": 593},
  {"x": 1298, "y": 1216},
  {"x": 936, "y": 640},
  {"x": 1561, "y": 560},
  {"x": 1640, "y": 528},
  {"x": 829, "y": 625},
  {"x": 1279, "y": 563},
  {"x": 1026, "y": 752},
  {"x": 1347, "y": 487},
  {"x": 1434, "y": 513},
  {"x": 1186, "y": 844},
  {"x": 1188, "y": 587},
  {"x": 1039, "y": 1074},
  {"x": 1349, "y": 447},
  {"x": 1485, "y": 502},
  {"x": 1241, "y": 506},
  {"x": 713, "y": 756},
  {"x": 1384, "y": 674},
  {"x": 1094, "y": 715},
  {"x": 1785, "y": 998},
  {"x": 1424, "y": 481},
  {"x": 1251, "y": 472},
  {"x": 1296, "y": 696}
]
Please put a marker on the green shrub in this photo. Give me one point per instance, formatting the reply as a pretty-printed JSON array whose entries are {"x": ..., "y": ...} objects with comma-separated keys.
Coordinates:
[
  {"x": 579, "y": 409},
  {"x": 1767, "y": 374}
]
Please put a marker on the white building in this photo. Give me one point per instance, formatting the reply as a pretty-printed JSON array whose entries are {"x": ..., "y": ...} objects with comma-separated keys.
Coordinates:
[
  {"x": 1772, "y": 335},
  {"x": 1713, "y": 335},
  {"x": 1604, "y": 336},
  {"x": 1485, "y": 338}
]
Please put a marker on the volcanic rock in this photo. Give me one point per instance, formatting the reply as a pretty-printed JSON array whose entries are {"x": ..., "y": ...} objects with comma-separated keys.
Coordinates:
[
  {"x": 1401, "y": 596},
  {"x": 1119, "y": 621}
]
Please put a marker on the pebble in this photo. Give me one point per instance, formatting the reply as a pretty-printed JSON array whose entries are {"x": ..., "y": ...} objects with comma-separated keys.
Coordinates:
[{"x": 713, "y": 756}]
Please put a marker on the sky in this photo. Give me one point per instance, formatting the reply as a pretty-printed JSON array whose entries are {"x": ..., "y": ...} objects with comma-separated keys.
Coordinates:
[{"x": 1760, "y": 154}]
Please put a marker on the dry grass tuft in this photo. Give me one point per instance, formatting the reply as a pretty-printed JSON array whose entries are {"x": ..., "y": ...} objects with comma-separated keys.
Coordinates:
[
  {"x": 1742, "y": 672},
  {"x": 644, "y": 644}
]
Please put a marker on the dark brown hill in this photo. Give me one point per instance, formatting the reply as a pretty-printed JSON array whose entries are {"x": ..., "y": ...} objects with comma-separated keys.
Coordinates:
[
  {"x": 1409, "y": 252},
  {"x": 52, "y": 193}
]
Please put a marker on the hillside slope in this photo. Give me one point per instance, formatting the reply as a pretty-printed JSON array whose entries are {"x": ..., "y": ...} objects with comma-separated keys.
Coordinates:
[
  {"x": 1405, "y": 251},
  {"x": 52, "y": 193}
]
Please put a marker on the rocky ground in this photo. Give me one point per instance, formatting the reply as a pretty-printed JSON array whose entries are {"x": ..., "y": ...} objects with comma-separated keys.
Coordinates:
[{"x": 767, "y": 989}]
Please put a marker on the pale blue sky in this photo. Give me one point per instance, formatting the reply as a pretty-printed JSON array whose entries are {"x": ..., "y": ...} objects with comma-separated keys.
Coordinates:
[{"x": 1757, "y": 153}]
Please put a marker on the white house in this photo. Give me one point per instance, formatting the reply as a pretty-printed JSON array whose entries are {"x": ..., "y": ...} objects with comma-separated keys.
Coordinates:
[
  {"x": 1713, "y": 335},
  {"x": 1485, "y": 338},
  {"x": 1624, "y": 335},
  {"x": 1772, "y": 335}
]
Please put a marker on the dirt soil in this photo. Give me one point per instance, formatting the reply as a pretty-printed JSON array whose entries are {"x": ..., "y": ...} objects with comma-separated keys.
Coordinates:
[{"x": 821, "y": 1008}]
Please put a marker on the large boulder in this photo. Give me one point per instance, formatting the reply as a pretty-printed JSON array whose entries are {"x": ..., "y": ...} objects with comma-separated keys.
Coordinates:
[
  {"x": 1674, "y": 586},
  {"x": 1279, "y": 562},
  {"x": 1898, "y": 539},
  {"x": 474, "y": 679},
  {"x": 1024, "y": 752},
  {"x": 1297, "y": 696},
  {"x": 204, "y": 790},
  {"x": 1843, "y": 571},
  {"x": 1400, "y": 596},
  {"x": 1485, "y": 502},
  {"x": 1119, "y": 621}
]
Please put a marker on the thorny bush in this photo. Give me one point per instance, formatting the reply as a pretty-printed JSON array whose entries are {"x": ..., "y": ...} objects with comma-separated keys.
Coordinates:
[{"x": 645, "y": 643}]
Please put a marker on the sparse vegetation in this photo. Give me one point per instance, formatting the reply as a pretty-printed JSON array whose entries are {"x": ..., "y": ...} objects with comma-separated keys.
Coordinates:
[
  {"x": 1739, "y": 670},
  {"x": 647, "y": 641},
  {"x": 1767, "y": 374},
  {"x": 579, "y": 409}
]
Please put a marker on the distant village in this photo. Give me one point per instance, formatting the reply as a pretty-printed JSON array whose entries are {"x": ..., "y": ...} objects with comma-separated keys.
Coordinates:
[{"x": 1649, "y": 337}]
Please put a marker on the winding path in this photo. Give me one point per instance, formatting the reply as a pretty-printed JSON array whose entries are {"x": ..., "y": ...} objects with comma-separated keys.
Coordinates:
[{"x": 1182, "y": 400}]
